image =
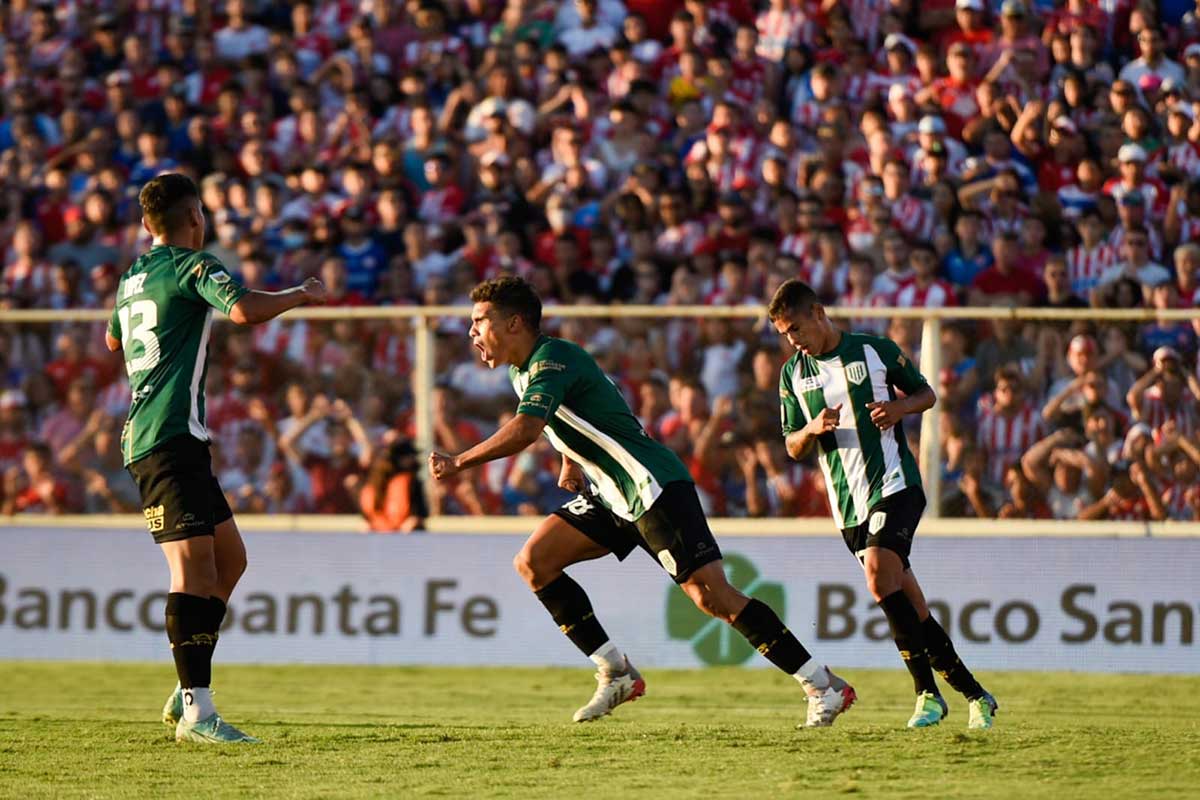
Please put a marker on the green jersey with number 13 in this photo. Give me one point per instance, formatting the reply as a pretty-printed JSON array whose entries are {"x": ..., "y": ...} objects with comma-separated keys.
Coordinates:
[{"x": 162, "y": 318}]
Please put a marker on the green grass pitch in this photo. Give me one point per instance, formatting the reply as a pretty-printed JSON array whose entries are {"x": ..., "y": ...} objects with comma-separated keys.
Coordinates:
[{"x": 92, "y": 730}]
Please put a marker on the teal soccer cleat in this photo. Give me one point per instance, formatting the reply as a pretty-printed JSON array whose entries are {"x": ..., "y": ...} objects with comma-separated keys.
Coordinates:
[
  {"x": 931, "y": 709},
  {"x": 982, "y": 709},
  {"x": 173, "y": 709},
  {"x": 211, "y": 730}
]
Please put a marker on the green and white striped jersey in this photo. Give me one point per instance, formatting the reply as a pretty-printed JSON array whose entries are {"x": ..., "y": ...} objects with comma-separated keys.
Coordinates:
[
  {"x": 862, "y": 464},
  {"x": 588, "y": 420},
  {"x": 163, "y": 317}
]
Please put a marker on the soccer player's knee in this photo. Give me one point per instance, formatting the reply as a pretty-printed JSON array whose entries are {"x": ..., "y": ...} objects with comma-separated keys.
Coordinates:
[
  {"x": 523, "y": 563},
  {"x": 880, "y": 584},
  {"x": 709, "y": 600}
]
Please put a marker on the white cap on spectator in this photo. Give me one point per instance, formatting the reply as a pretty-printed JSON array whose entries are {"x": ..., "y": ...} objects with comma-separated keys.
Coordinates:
[
  {"x": 1183, "y": 108},
  {"x": 1165, "y": 352},
  {"x": 494, "y": 157},
  {"x": 1065, "y": 123},
  {"x": 894, "y": 40},
  {"x": 931, "y": 124},
  {"x": 12, "y": 398},
  {"x": 1131, "y": 152},
  {"x": 898, "y": 92},
  {"x": 1192, "y": 49},
  {"x": 1136, "y": 431},
  {"x": 971, "y": 5}
]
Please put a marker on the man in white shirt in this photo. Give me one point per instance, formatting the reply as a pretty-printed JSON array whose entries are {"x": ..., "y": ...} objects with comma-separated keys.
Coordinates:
[
  {"x": 589, "y": 34},
  {"x": 1153, "y": 61}
]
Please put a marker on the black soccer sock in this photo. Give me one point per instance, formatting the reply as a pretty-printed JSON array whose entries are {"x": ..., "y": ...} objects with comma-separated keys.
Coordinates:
[
  {"x": 763, "y": 628},
  {"x": 906, "y": 630},
  {"x": 189, "y": 620},
  {"x": 216, "y": 615},
  {"x": 569, "y": 606},
  {"x": 947, "y": 663}
]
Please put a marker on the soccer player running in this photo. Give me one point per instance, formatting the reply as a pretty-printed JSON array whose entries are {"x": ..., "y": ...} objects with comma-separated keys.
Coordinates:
[
  {"x": 641, "y": 496},
  {"x": 162, "y": 321},
  {"x": 838, "y": 392}
]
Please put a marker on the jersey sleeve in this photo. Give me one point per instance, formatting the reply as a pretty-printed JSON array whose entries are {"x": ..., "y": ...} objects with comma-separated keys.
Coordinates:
[
  {"x": 114, "y": 324},
  {"x": 791, "y": 416},
  {"x": 208, "y": 281},
  {"x": 550, "y": 376},
  {"x": 901, "y": 371}
]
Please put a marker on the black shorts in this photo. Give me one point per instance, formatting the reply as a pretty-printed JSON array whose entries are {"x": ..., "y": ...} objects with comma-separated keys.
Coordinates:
[
  {"x": 890, "y": 524},
  {"x": 674, "y": 531},
  {"x": 180, "y": 495}
]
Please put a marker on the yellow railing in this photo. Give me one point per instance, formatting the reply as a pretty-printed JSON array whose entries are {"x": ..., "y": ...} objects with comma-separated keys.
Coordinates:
[{"x": 930, "y": 446}]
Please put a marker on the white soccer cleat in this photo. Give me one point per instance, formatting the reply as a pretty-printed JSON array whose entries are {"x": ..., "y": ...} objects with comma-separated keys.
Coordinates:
[
  {"x": 825, "y": 706},
  {"x": 612, "y": 690}
]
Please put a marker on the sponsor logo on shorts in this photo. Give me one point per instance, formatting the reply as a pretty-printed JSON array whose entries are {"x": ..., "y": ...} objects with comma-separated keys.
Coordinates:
[
  {"x": 877, "y": 521},
  {"x": 856, "y": 371},
  {"x": 668, "y": 561},
  {"x": 155, "y": 518}
]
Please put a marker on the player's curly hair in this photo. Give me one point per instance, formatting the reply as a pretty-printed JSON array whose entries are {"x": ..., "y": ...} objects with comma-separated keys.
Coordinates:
[
  {"x": 163, "y": 199},
  {"x": 513, "y": 297},
  {"x": 790, "y": 297}
]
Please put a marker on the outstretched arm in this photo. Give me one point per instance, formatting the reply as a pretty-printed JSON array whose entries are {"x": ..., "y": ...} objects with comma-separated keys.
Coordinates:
[
  {"x": 256, "y": 306},
  {"x": 513, "y": 437}
]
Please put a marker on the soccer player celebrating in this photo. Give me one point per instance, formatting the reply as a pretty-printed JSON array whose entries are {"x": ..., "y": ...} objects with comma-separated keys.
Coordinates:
[
  {"x": 838, "y": 392},
  {"x": 162, "y": 320},
  {"x": 641, "y": 496}
]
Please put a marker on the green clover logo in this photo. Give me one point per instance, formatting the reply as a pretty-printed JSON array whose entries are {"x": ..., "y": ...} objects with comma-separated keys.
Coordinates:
[{"x": 714, "y": 642}]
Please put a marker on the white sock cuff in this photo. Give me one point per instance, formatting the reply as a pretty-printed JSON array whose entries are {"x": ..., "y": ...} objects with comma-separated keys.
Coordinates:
[
  {"x": 813, "y": 672},
  {"x": 609, "y": 657}
]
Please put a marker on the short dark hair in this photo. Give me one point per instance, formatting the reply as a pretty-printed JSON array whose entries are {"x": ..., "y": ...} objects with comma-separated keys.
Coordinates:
[
  {"x": 163, "y": 199},
  {"x": 513, "y": 297},
  {"x": 791, "y": 296}
]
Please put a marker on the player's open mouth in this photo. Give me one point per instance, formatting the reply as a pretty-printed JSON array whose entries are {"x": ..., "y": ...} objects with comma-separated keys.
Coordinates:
[{"x": 482, "y": 352}]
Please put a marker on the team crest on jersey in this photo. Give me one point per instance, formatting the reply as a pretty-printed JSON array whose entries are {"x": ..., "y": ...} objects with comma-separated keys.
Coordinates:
[{"x": 856, "y": 371}]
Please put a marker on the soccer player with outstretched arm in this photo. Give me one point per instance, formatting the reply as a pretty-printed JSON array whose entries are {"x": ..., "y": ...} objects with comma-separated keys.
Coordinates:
[
  {"x": 838, "y": 393},
  {"x": 162, "y": 320},
  {"x": 640, "y": 495}
]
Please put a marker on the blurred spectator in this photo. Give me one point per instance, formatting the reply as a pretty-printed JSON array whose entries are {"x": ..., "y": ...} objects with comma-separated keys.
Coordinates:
[
  {"x": 391, "y": 497},
  {"x": 1010, "y": 154}
]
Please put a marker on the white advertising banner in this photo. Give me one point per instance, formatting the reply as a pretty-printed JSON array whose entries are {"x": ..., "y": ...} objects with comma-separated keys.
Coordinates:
[{"x": 1089, "y": 604}]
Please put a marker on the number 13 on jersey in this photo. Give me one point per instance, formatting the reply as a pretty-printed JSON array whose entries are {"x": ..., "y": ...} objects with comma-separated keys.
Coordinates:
[{"x": 143, "y": 314}]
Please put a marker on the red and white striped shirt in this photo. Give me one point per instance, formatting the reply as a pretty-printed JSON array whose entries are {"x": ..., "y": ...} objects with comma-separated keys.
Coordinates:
[
  {"x": 1084, "y": 267},
  {"x": 872, "y": 325},
  {"x": 1155, "y": 412},
  {"x": 1006, "y": 438},
  {"x": 1175, "y": 499},
  {"x": 797, "y": 245},
  {"x": 912, "y": 216},
  {"x": 778, "y": 30},
  {"x": 1185, "y": 156},
  {"x": 679, "y": 241},
  {"x": 1117, "y": 238},
  {"x": 938, "y": 294}
]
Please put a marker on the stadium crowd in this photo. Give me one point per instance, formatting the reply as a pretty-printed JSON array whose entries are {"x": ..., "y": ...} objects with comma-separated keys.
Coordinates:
[{"x": 669, "y": 152}]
